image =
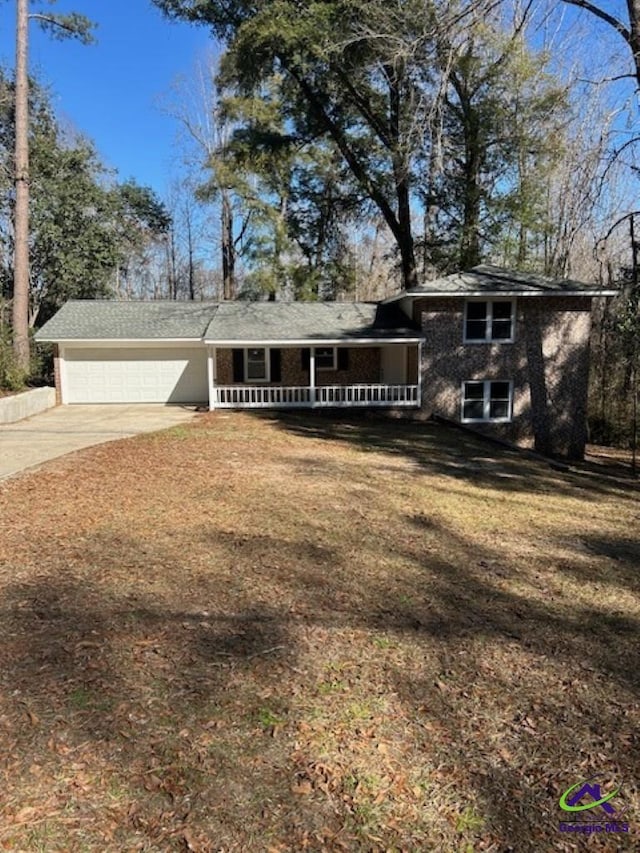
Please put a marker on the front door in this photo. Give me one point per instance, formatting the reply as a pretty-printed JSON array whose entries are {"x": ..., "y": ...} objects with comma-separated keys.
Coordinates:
[{"x": 394, "y": 365}]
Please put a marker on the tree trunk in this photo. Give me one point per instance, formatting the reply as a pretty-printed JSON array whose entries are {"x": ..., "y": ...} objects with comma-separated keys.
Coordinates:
[
  {"x": 192, "y": 283},
  {"x": 401, "y": 232},
  {"x": 401, "y": 171},
  {"x": 21, "y": 213},
  {"x": 634, "y": 34},
  {"x": 470, "y": 241},
  {"x": 228, "y": 248},
  {"x": 172, "y": 278}
]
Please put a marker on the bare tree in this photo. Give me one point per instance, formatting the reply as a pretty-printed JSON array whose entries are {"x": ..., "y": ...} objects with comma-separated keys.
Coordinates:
[{"x": 197, "y": 107}]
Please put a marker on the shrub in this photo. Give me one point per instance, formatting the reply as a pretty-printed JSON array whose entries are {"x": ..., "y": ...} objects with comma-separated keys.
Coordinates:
[{"x": 12, "y": 378}]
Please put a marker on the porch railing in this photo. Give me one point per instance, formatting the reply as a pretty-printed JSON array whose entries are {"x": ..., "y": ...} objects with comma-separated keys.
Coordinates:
[{"x": 347, "y": 396}]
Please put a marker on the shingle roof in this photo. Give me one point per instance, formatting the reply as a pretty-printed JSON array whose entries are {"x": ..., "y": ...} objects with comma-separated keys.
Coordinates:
[
  {"x": 486, "y": 279},
  {"x": 251, "y": 322},
  {"x": 90, "y": 319}
]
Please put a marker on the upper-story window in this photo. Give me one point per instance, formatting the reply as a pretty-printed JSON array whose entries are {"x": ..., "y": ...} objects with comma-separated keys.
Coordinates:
[{"x": 489, "y": 320}]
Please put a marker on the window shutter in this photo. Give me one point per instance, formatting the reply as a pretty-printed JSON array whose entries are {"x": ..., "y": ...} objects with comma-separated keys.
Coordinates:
[
  {"x": 343, "y": 358},
  {"x": 276, "y": 372},
  {"x": 305, "y": 358},
  {"x": 238, "y": 365}
]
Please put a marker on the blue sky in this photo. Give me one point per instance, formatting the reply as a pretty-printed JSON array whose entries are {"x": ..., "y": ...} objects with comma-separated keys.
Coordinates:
[{"x": 112, "y": 90}]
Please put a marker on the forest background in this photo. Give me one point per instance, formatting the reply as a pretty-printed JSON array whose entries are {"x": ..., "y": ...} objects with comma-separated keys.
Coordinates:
[{"x": 330, "y": 150}]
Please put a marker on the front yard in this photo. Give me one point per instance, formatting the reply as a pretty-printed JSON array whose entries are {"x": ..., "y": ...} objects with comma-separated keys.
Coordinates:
[{"x": 254, "y": 633}]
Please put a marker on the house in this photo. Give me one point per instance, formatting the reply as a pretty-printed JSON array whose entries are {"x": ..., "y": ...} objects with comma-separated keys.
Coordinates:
[{"x": 504, "y": 352}]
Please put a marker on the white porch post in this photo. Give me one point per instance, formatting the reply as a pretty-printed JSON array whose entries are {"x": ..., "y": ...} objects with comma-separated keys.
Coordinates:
[
  {"x": 312, "y": 375},
  {"x": 211, "y": 376}
]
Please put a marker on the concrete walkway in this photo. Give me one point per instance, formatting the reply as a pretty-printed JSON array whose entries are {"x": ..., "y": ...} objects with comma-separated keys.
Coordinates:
[{"x": 67, "y": 428}]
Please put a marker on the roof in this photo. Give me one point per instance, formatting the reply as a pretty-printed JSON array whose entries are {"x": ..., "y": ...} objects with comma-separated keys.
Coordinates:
[
  {"x": 226, "y": 322},
  {"x": 104, "y": 319},
  {"x": 486, "y": 280},
  {"x": 262, "y": 322}
]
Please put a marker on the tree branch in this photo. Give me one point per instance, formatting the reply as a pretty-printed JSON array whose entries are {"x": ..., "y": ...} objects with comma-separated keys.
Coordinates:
[
  {"x": 358, "y": 169},
  {"x": 604, "y": 16},
  {"x": 616, "y": 223},
  {"x": 51, "y": 19}
]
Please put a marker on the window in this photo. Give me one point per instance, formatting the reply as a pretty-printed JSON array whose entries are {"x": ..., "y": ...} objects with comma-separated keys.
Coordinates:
[
  {"x": 256, "y": 365},
  {"x": 325, "y": 358},
  {"x": 489, "y": 321},
  {"x": 487, "y": 400}
]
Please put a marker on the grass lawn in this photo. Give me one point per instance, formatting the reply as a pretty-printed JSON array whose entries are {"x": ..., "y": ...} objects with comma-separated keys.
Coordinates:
[{"x": 261, "y": 633}]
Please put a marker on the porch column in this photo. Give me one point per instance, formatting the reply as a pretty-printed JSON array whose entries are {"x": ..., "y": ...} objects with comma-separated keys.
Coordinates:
[
  {"x": 419, "y": 363},
  {"x": 312, "y": 375},
  {"x": 211, "y": 376}
]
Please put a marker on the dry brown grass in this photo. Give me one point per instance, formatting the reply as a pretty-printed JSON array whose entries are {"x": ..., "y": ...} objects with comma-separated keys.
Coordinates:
[{"x": 285, "y": 634}]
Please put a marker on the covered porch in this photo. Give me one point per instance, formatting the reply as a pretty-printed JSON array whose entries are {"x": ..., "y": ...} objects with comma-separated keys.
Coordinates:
[
  {"x": 342, "y": 376},
  {"x": 307, "y": 355}
]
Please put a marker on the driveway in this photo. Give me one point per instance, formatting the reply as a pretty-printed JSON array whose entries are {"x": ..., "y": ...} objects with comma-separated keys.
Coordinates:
[{"x": 67, "y": 428}]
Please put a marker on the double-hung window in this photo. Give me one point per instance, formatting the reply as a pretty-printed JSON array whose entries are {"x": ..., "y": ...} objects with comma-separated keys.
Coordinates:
[
  {"x": 256, "y": 365},
  {"x": 325, "y": 358},
  {"x": 487, "y": 400},
  {"x": 489, "y": 320}
]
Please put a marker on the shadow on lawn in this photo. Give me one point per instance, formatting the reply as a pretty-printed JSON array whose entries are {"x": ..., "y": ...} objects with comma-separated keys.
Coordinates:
[
  {"x": 218, "y": 657},
  {"x": 440, "y": 449},
  {"x": 168, "y": 710},
  {"x": 129, "y": 671}
]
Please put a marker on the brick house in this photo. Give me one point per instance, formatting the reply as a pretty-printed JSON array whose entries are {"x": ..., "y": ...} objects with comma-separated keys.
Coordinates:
[{"x": 504, "y": 353}]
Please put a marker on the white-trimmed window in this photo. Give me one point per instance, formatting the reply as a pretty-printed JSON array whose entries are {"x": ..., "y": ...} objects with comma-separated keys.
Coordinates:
[
  {"x": 489, "y": 320},
  {"x": 256, "y": 365},
  {"x": 326, "y": 358},
  {"x": 487, "y": 400}
]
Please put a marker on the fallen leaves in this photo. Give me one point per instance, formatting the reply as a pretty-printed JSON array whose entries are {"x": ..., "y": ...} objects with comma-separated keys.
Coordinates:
[{"x": 316, "y": 647}]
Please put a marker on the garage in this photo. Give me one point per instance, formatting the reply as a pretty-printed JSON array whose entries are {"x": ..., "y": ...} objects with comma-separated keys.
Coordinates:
[
  {"x": 110, "y": 351},
  {"x": 134, "y": 374}
]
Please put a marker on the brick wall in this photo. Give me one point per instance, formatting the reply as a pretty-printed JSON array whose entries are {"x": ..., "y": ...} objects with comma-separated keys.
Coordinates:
[
  {"x": 364, "y": 366},
  {"x": 548, "y": 363}
]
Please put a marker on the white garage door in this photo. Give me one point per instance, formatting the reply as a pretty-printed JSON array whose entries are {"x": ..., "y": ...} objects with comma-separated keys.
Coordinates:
[{"x": 135, "y": 375}]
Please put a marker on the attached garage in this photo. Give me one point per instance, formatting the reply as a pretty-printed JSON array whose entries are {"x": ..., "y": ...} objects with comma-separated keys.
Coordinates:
[
  {"x": 134, "y": 374},
  {"x": 107, "y": 351}
]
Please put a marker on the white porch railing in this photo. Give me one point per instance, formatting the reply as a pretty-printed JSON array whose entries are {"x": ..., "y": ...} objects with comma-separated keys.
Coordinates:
[
  {"x": 260, "y": 396},
  {"x": 367, "y": 395},
  {"x": 283, "y": 397}
]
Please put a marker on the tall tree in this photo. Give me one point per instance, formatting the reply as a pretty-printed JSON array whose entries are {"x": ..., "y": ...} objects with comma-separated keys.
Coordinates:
[
  {"x": 61, "y": 26},
  {"x": 353, "y": 72},
  {"x": 197, "y": 106},
  {"x": 144, "y": 230},
  {"x": 84, "y": 227}
]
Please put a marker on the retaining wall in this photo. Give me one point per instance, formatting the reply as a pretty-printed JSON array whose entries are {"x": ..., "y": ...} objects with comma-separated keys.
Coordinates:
[{"x": 20, "y": 406}]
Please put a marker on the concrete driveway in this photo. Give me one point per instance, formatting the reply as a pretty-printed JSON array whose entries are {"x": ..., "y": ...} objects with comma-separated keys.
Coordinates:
[{"x": 67, "y": 428}]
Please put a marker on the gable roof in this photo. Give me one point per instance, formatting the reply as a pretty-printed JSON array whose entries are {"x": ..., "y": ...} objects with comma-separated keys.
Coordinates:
[
  {"x": 104, "y": 319},
  {"x": 487, "y": 280},
  {"x": 263, "y": 322},
  {"x": 227, "y": 322}
]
